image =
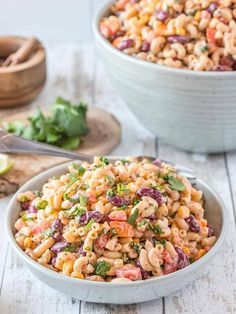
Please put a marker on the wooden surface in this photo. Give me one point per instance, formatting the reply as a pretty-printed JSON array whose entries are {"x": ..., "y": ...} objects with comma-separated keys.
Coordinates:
[
  {"x": 80, "y": 75},
  {"x": 103, "y": 137}
]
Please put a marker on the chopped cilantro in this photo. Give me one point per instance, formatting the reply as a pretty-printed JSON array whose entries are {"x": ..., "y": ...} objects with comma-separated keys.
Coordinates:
[
  {"x": 73, "y": 179},
  {"x": 71, "y": 248},
  {"x": 163, "y": 242},
  {"x": 133, "y": 217},
  {"x": 156, "y": 229},
  {"x": 191, "y": 259},
  {"x": 135, "y": 201},
  {"x": 41, "y": 204},
  {"x": 74, "y": 211},
  {"x": 83, "y": 200},
  {"x": 47, "y": 233},
  {"x": 26, "y": 218},
  {"x": 80, "y": 169},
  {"x": 89, "y": 225},
  {"x": 135, "y": 246},
  {"x": 73, "y": 200},
  {"x": 125, "y": 161},
  {"x": 104, "y": 160},
  {"x": 110, "y": 180},
  {"x": 110, "y": 193},
  {"x": 121, "y": 188},
  {"x": 142, "y": 223},
  {"x": 176, "y": 184},
  {"x": 101, "y": 268},
  {"x": 204, "y": 48}
]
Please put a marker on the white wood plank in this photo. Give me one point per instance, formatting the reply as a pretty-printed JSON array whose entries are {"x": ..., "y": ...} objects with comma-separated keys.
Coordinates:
[
  {"x": 215, "y": 291},
  {"x": 23, "y": 293},
  {"x": 4, "y": 244},
  {"x": 231, "y": 167}
]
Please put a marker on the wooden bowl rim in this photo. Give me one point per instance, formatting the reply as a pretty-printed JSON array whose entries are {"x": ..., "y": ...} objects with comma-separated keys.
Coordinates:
[{"x": 37, "y": 58}]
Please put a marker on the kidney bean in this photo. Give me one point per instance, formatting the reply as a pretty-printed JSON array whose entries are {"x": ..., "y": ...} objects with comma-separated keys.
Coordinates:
[
  {"x": 59, "y": 246},
  {"x": 97, "y": 216},
  {"x": 155, "y": 194},
  {"x": 117, "y": 200},
  {"x": 183, "y": 259},
  {"x": 145, "y": 274},
  {"x": 126, "y": 43},
  {"x": 161, "y": 15},
  {"x": 145, "y": 46},
  {"x": 193, "y": 223},
  {"x": 57, "y": 230},
  {"x": 178, "y": 39}
]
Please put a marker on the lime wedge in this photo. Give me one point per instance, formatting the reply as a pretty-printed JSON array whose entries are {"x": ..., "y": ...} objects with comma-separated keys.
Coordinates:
[{"x": 5, "y": 164}]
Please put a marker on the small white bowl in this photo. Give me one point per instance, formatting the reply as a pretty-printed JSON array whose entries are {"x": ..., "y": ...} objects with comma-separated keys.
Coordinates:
[
  {"x": 120, "y": 293},
  {"x": 192, "y": 110}
]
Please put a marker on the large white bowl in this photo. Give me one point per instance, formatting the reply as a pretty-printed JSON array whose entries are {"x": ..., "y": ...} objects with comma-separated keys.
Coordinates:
[
  {"x": 120, "y": 293},
  {"x": 192, "y": 110}
]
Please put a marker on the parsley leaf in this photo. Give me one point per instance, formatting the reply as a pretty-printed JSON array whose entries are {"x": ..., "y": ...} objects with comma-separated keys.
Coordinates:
[
  {"x": 176, "y": 184},
  {"x": 133, "y": 217},
  {"x": 101, "y": 268}
]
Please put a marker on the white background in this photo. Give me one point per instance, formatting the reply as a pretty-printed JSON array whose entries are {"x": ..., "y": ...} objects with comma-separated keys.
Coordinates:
[{"x": 64, "y": 20}]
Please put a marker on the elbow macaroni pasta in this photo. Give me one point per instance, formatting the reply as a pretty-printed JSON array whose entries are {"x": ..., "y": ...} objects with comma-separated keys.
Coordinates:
[
  {"x": 135, "y": 226},
  {"x": 188, "y": 34}
]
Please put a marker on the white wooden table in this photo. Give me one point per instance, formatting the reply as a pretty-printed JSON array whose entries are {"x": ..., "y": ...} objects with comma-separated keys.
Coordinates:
[{"x": 74, "y": 71}]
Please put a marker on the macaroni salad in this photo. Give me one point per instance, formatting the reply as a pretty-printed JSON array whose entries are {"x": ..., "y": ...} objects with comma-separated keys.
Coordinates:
[
  {"x": 189, "y": 34},
  {"x": 115, "y": 221}
]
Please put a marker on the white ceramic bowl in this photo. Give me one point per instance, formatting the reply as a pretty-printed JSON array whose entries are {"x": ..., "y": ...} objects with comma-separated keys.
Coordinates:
[
  {"x": 192, "y": 110},
  {"x": 120, "y": 293}
]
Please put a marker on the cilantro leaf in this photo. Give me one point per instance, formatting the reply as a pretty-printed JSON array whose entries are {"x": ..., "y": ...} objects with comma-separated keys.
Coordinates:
[
  {"x": 176, "y": 184},
  {"x": 63, "y": 127},
  {"x": 156, "y": 229},
  {"x": 133, "y": 217},
  {"x": 74, "y": 211},
  {"x": 101, "y": 268},
  {"x": 89, "y": 225},
  {"x": 41, "y": 204},
  {"x": 71, "y": 248},
  {"x": 104, "y": 160}
]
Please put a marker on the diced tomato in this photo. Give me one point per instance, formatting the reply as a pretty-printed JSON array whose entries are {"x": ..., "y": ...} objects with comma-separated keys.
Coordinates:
[
  {"x": 129, "y": 271},
  {"x": 19, "y": 224},
  {"x": 92, "y": 197},
  {"x": 166, "y": 256},
  {"x": 119, "y": 215},
  {"x": 40, "y": 227},
  {"x": 123, "y": 229},
  {"x": 101, "y": 241},
  {"x": 211, "y": 32},
  {"x": 169, "y": 268}
]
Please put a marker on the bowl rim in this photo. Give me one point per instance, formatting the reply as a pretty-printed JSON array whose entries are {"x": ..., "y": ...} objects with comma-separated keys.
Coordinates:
[
  {"x": 101, "y": 12},
  {"x": 51, "y": 273}
]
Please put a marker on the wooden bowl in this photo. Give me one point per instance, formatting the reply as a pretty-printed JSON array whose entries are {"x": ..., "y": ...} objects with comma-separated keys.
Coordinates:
[{"x": 21, "y": 83}]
